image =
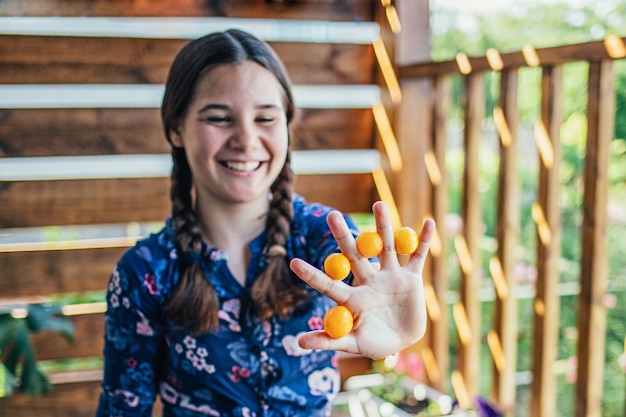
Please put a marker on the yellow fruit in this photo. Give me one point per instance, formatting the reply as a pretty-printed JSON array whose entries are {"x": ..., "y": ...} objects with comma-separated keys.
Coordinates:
[
  {"x": 337, "y": 266},
  {"x": 406, "y": 240},
  {"x": 338, "y": 322},
  {"x": 369, "y": 244}
]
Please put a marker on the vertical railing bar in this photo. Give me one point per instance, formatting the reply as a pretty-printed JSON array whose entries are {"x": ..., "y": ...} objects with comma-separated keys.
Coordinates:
[
  {"x": 469, "y": 353},
  {"x": 546, "y": 308},
  {"x": 439, "y": 342},
  {"x": 594, "y": 260},
  {"x": 507, "y": 235}
]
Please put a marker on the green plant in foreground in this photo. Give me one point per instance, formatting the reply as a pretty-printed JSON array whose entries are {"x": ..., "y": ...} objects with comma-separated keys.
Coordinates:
[{"x": 18, "y": 364}]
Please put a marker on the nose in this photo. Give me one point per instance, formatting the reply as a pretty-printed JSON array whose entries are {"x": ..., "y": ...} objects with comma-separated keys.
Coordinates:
[{"x": 244, "y": 135}]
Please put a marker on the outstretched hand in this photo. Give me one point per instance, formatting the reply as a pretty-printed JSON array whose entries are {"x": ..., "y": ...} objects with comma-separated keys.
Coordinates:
[{"x": 387, "y": 300}]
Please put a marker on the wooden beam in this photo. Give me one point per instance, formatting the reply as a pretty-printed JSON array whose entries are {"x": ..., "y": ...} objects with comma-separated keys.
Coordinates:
[
  {"x": 547, "y": 215},
  {"x": 594, "y": 262},
  {"x": 468, "y": 242},
  {"x": 553, "y": 56},
  {"x": 507, "y": 235},
  {"x": 439, "y": 339}
]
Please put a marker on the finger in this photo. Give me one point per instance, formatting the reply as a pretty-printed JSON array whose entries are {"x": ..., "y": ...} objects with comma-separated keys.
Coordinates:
[
  {"x": 337, "y": 291},
  {"x": 417, "y": 259},
  {"x": 320, "y": 340},
  {"x": 384, "y": 227},
  {"x": 359, "y": 264}
]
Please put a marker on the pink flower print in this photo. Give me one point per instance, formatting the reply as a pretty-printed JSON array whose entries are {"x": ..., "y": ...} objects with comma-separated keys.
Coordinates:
[
  {"x": 189, "y": 342},
  {"x": 234, "y": 375},
  {"x": 317, "y": 213},
  {"x": 132, "y": 362},
  {"x": 174, "y": 382},
  {"x": 143, "y": 326},
  {"x": 150, "y": 282},
  {"x": 316, "y": 323},
  {"x": 334, "y": 361},
  {"x": 232, "y": 306},
  {"x": 237, "y": 373}
]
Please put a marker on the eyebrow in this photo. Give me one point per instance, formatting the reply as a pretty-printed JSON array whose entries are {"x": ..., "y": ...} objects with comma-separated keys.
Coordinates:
[{"x": 219, "y": 106}]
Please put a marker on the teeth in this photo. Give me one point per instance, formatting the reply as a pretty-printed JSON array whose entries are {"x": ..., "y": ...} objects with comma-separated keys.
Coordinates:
[{"x": 243, "y": 166}]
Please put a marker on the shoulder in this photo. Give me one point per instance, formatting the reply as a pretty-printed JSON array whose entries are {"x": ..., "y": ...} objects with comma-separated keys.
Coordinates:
[
  {"x": 151, "y": 262},
  {"x": 310, "y": 216}
]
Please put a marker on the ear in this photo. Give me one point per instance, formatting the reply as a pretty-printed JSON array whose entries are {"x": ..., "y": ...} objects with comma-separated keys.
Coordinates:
[{"x": 176, "y": 138}]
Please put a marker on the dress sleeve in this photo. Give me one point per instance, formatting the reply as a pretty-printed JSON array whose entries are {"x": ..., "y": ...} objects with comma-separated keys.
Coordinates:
[{"x": 132, "y": 341}]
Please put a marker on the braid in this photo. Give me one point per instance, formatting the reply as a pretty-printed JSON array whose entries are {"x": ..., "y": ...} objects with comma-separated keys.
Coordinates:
[
  {"x": 194, "y": 303},
  {"x": 274, "y": 291}
]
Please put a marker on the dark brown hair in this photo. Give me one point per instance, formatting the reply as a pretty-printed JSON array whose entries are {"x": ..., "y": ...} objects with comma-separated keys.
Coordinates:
[{"x": 194, "y": 303}]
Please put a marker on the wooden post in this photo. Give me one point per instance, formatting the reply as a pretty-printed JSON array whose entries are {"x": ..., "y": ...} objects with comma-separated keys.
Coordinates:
[
  {"x": 504, "y": 351},
  {"x": 412, "y": 119},
  {"x": 435, "y": 161},
  {"x": 412, "y": 123},
  {"x": 594, "y": 263},
  {"x": 547, "y": 217},
  {"x": 468, "y": 248}
]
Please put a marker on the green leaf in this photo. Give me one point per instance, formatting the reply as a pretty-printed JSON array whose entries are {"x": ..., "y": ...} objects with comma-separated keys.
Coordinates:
[
  {"x": 18, "y": 346},
  {"x": 19, "y": 365},
  {"x": 8, "y": 330},
  {"x": 7, "y": 382},
  {"x": 45, "y": 317},
  {"x": 32, "y": 380}
]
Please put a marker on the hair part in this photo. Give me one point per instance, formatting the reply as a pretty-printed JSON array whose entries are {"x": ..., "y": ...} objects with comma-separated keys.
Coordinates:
[{"x": 194, "y": 303}]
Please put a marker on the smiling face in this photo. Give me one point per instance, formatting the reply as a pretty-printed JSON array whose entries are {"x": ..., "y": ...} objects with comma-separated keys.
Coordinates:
[{"x": 235, "y": 133}]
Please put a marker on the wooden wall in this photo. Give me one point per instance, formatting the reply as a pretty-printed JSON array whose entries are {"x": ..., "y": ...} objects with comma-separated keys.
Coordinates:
[{"x": 49, "y": 108}]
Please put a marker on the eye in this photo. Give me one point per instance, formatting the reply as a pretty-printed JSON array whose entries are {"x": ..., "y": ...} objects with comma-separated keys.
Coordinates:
[
  {"x": 217, "y": 120},
  {"x": 265, "y": 119}
]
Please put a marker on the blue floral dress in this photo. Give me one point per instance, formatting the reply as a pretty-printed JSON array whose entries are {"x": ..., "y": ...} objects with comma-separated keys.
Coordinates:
[{"x": 247, "y": 368}]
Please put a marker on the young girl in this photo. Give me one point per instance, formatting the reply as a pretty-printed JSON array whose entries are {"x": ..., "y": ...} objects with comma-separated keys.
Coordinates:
[{"x": 209, "y": 312}]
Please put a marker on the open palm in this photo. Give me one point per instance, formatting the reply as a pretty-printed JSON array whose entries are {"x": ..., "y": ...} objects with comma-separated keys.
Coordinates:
[{"x": 386, "y": 299}]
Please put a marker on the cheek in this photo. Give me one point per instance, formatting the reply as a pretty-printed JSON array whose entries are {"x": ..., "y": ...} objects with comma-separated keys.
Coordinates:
[
  {"x": 280, "y": 141},
  {"x": 205, "y": 140}
]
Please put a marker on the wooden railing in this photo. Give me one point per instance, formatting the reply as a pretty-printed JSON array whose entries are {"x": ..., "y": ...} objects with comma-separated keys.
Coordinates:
[{"x": 501, "y": 341}]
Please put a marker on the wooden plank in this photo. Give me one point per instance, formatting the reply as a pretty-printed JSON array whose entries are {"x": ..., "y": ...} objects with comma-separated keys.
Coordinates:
[
  {"x": 48, "y": 272},
  {"x": 547, "y": 217},
  {"x": 318, "y": 10},
  {"x": 56, "y": 132},
  {"x": 507, "y": 235},
  {"x": 349, "y": 193},
  {"x": 88, "y": 342},
  {"x": 129, "y": 131},
  {"x": 69, "y": 132},
  {"x": 471, "y": 273},
  {"x": 99, "y": 60},
  {"x": 65, "y": 202},
  {"x": 594, "y": 262},
  {"x": 558, "y": 55},
  {"x": 78, "y": 399},
  {"x": 42, "y": 203}
]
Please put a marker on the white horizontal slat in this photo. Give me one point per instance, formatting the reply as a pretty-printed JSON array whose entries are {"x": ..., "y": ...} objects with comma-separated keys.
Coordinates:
[
  {"x": 192, "y": 27},
  {"x": 47, "y": 96},
  {"x": 151, "y": 166}
]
